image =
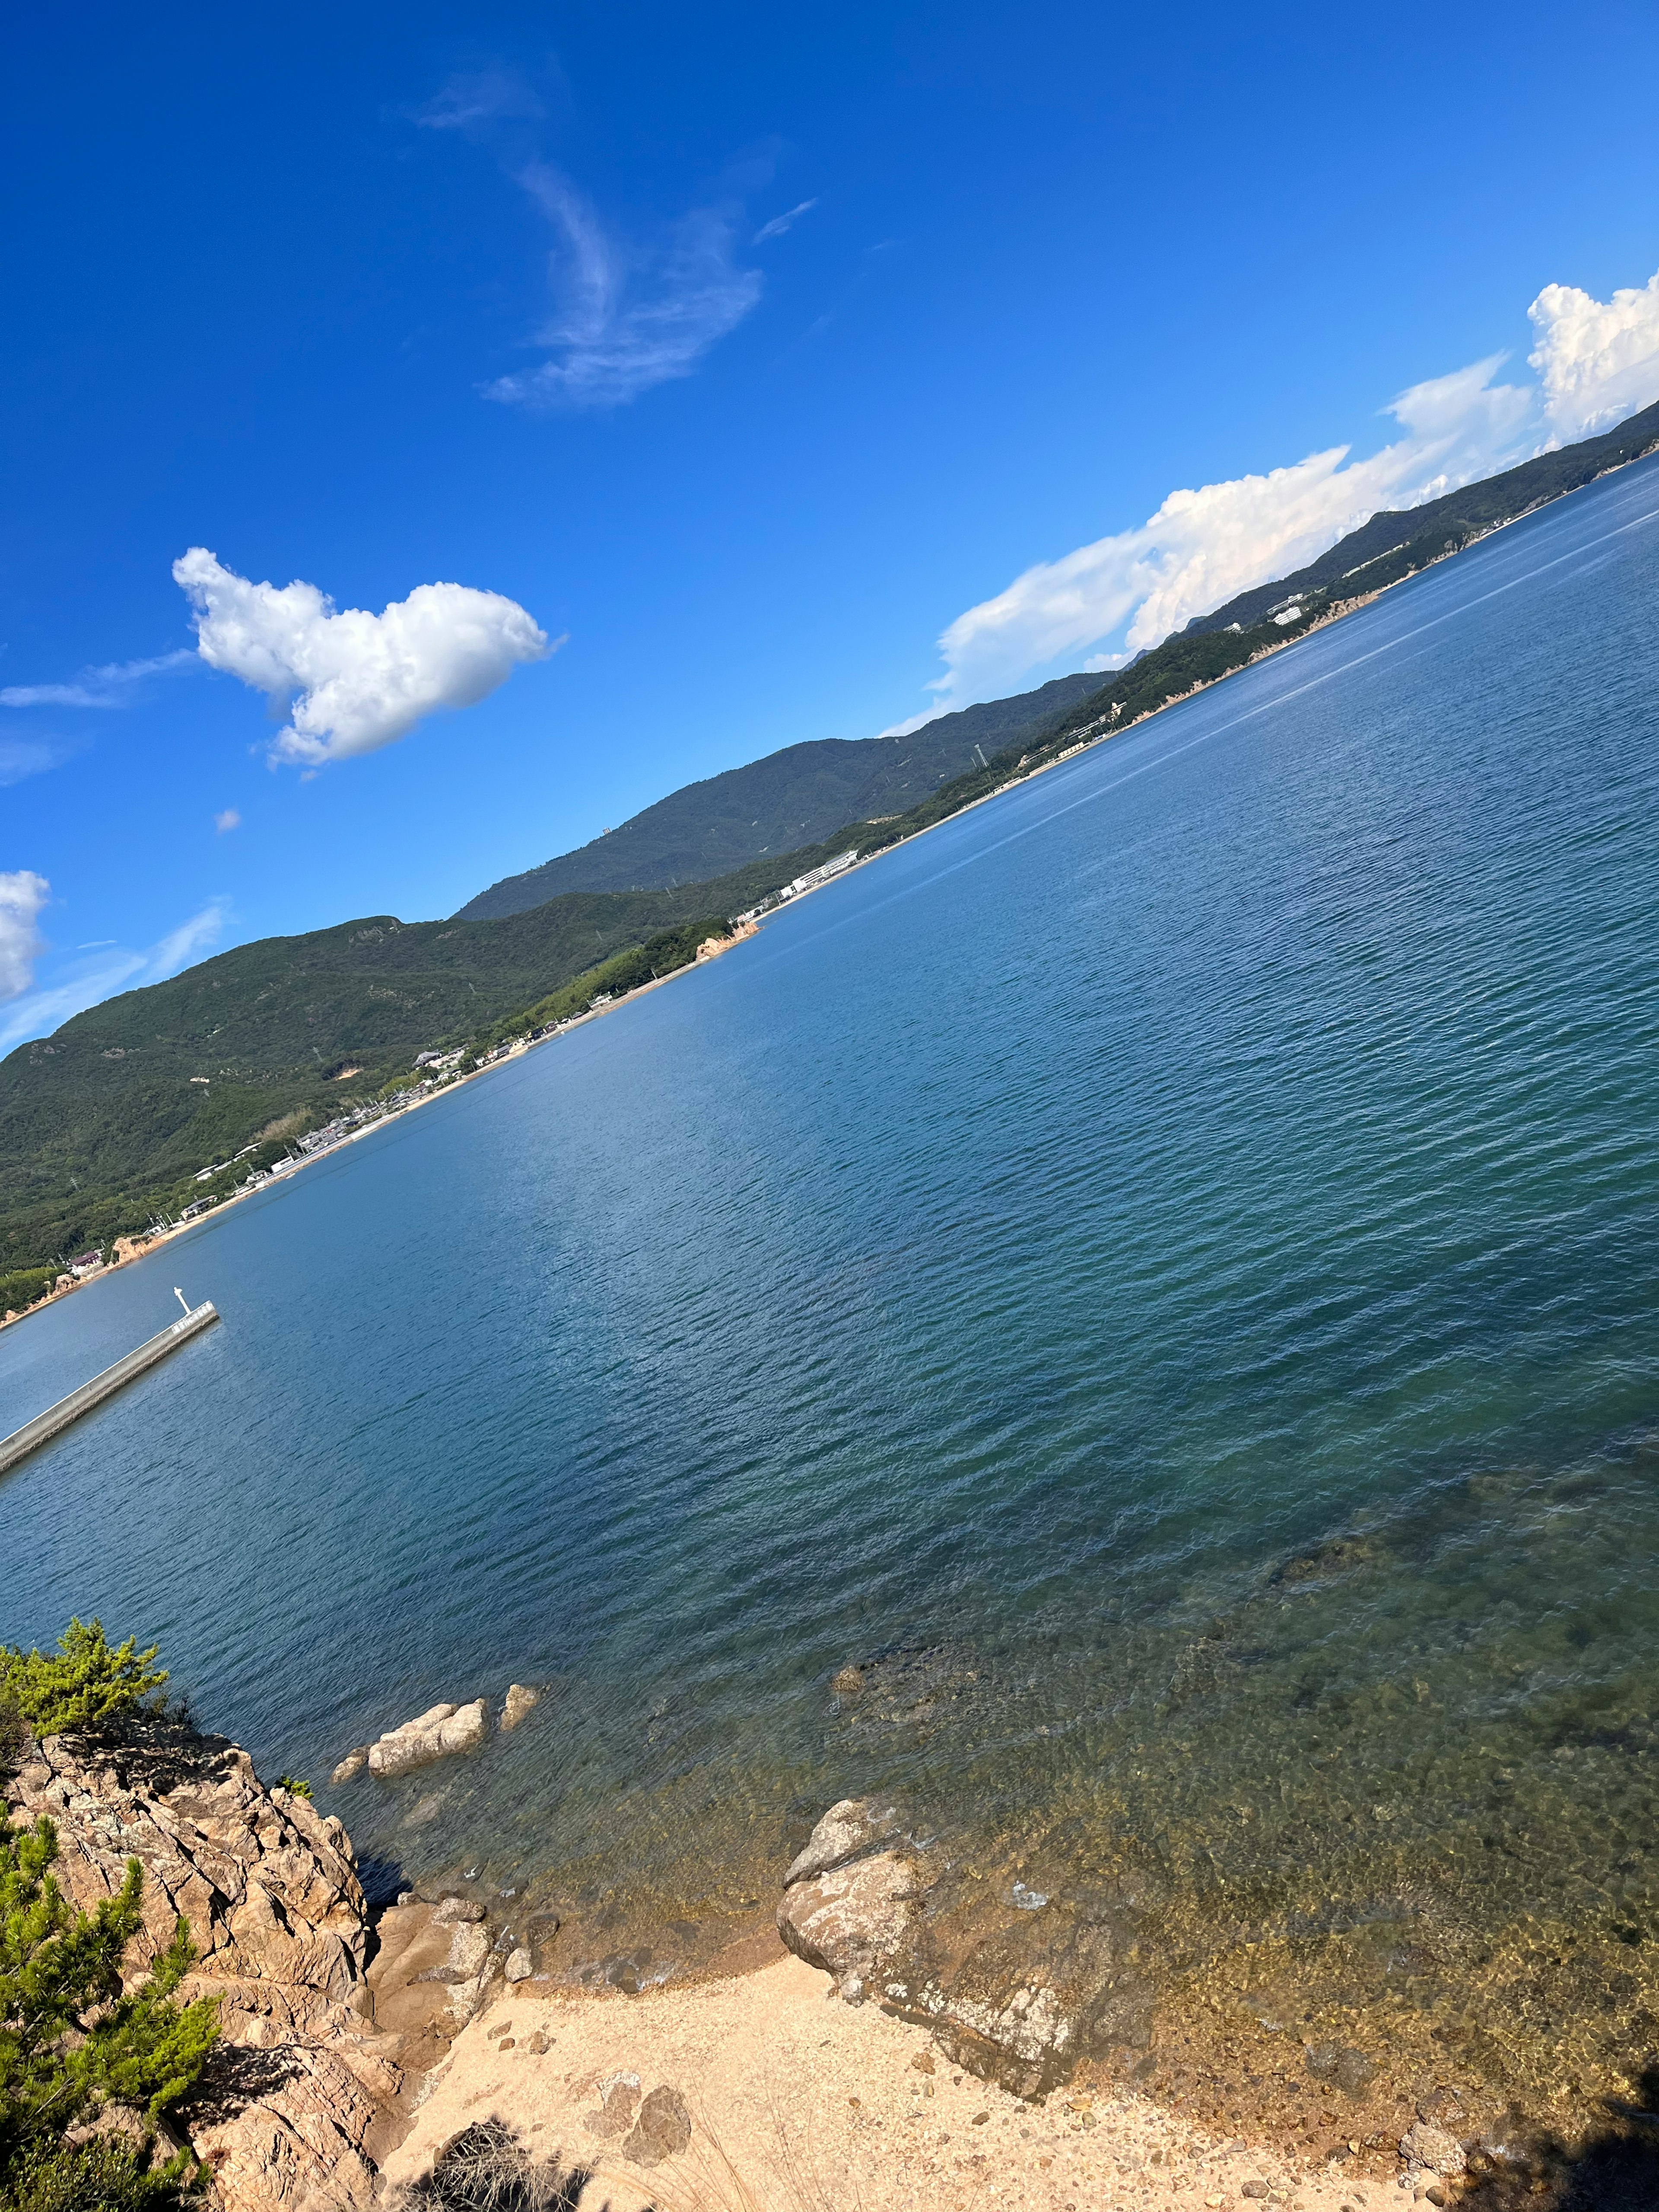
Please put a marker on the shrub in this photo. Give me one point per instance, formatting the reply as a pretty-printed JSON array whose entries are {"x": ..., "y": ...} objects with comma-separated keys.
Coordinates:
[
  {"x": 72, "y": 2042},
  {"x": 11, "y": 1733},
  {"x": 23, "y": 1285},
  {"x": 106, "y": 2173},
  {"x": 293, "y": 1785},
  {"x": 83, "y": 1685}
]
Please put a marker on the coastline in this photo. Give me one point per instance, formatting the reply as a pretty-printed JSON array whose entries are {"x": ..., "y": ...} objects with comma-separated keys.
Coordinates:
[
  {"x": 794, "y": 2100},
  {"x": 1336, "y": 612}
]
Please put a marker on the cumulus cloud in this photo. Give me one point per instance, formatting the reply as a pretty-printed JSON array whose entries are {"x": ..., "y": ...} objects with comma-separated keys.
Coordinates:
[
  {"x": 1095, "y": 607},
  {"x": 22, "y": 895},
  {"x": 36, "y": 1014},
  {"x": 230, "y": 819},
  {"x": 110, "y": 686},
  {"x": 627, "y": 319},
  {"x": 352, "y": 681},
  {"x": 1597, "y": 363}
]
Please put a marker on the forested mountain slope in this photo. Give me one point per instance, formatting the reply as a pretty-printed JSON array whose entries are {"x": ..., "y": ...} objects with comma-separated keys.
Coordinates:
[
  {"x": 99, "y": 1122},
  {"x": 789, "y": 799}
]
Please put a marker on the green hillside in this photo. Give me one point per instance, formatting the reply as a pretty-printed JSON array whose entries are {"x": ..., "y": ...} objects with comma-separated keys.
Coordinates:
[
  {"x": 102, "y": 1122},
  {"x": 790, "y": 799}
]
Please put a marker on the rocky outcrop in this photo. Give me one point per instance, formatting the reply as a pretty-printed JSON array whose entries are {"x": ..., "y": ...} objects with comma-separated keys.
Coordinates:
[
  {"x": 519, "y": 1699},
  {"x": 1017, "y": 1986},
  {"x": 436, "y": 1734},
  {"x": 435, "y": 1962},
  {"x": 299, "y": 2093}
]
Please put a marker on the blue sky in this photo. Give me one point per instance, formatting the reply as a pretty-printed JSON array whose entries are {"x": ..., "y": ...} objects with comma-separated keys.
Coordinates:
[{"x": 723, "y": 363}]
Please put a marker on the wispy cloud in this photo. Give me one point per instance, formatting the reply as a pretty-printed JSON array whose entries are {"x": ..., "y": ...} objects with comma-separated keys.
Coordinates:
[
  {"x": 779, "y": 223},
  {"x": 25, "y": 756},
  {"x": 473, "y": 102},
  {"x": 1096, "y": 606},
  {"x": 110, "y": 686},
  {"x": 353, "y": 681},
  {"x": 230, "y": 819},
  {"x": 38, "y": 1013},
  {"x": 629, "y": 316}
]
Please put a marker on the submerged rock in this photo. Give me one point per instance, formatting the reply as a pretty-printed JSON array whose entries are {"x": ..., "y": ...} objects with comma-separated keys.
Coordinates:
[
  {"x": 1424, "y": 2144},
  {"x": 519, "y": 1699},
  {"x": 436, "y": 1734}
]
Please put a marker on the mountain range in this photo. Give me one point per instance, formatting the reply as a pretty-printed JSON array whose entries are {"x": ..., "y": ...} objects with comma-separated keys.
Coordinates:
[{"x": 790, "y": 799}]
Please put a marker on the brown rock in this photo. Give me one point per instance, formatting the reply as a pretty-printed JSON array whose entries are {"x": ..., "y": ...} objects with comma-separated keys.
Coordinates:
[
  {"x": 436, "y": 1734},
  {"x": 352, "y": 1764},
  {"x": 1014, "y": 1999},
  {"x": 519, "y": 1699},
  {"x": 662, "y": 2130},
  {"x": 1424, "y": 2144},
  {"x": 852, "y": 1920}
]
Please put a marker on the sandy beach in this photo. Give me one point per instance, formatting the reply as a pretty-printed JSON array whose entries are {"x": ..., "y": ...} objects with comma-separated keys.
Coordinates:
[{"x": 794, "y": 2101}]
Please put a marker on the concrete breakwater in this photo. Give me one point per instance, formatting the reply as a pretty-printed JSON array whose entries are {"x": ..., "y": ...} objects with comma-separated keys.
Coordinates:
[{"x": 58, "y": 1417}]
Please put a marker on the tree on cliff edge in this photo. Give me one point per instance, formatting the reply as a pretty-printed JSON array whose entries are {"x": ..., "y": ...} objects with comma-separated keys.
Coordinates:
[{"x": 73, "y": 2044}]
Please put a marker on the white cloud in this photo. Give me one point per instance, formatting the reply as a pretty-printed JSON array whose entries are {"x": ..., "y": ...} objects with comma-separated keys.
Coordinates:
[
  {"x": 779, "y": 223},
  {"x": 22, "y": 895},
  {"x": 628, "y": 319},
  {"x": 1598, "y": 363},
  {"x": 230, "y": 819},
  {"x": 111, "y": 686},
  {"x": 353, "y": 681},
  {"x": 37, "y": 1014},
  {"x": 1095, "y": 607}
]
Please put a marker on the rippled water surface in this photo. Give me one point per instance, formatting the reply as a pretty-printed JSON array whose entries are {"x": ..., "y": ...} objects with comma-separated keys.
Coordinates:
[{"x": 1165, "y": 1270}]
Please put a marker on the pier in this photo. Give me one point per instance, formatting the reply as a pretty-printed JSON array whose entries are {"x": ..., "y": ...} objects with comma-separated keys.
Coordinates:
[{"x": 58, "y": 1417}]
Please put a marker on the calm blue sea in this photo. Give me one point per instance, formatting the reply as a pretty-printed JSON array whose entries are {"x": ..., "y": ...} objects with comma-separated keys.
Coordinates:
[{"x": 1163, "y": 1269}]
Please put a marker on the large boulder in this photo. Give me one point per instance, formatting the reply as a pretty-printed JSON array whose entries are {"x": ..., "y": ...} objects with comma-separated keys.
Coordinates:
[
  {"x": 853, "y": 1921},
  {"x": 300, "y": 2090},
  {"x": 1017, "y": 1986},
  {"x": 436, "y": 1734}
]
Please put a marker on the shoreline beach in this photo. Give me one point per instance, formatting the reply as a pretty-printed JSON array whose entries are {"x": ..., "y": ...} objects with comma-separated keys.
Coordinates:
[{"x": 775, "y": 2096}]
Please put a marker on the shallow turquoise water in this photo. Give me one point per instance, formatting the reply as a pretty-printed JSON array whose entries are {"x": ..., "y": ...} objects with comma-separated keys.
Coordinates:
[{"x": 1234, "y": 1149}]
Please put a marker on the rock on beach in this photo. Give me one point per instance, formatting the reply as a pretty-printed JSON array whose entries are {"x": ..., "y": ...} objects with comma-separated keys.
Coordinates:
[
  {"x": 1424, "y": 2144},
  {"x": 1011, "y": 1997}
]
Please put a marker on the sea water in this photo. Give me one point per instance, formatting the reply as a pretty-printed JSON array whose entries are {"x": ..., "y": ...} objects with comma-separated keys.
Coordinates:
[{"x": 1162, "y": 1272}]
